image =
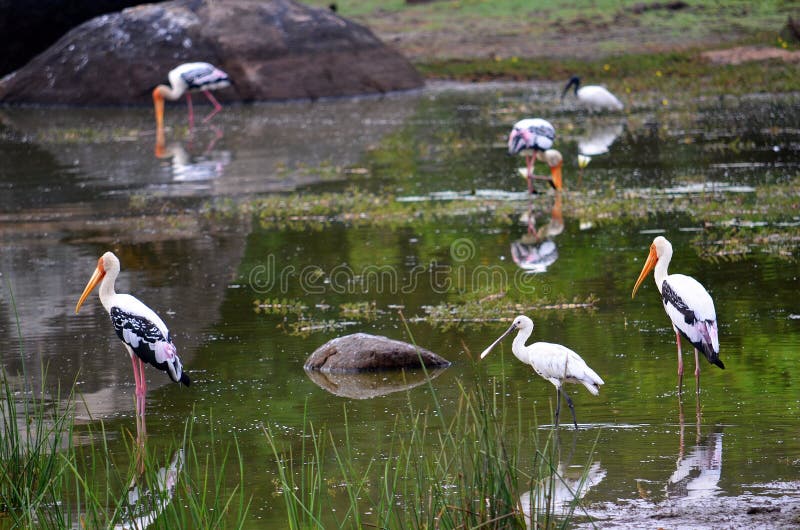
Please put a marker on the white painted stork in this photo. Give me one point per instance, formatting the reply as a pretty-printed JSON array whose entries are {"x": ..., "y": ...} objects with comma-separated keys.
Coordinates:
[
  {"x": 533, "y": 137},
  {"x": 594, "y": 97},
  {"x": 144, "y": 334},
  {"x": 554, "y": 362},
  {"x": 688, "y": 305},
  {"x": 185, "y": 79}
]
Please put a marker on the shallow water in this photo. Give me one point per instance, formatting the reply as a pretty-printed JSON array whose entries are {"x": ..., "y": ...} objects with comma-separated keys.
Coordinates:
[{"x": 74, "y": 183}]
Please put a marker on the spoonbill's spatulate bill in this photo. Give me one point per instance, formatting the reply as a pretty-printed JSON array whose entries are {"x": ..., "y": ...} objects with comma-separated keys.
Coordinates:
[
  {"x": 144, "y": 334},
  {"x": 554, "y": 362},
  {"x": 688, "y": 305}
]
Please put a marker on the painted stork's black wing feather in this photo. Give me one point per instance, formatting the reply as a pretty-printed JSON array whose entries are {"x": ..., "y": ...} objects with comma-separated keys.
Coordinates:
[
  {"x": 149, "y": 343},
  {"x": 671, "y": 297},
  {"x": 205, "y": 76}
]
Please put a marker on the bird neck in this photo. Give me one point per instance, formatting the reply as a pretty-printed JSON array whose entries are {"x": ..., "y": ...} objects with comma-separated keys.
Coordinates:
[
  {"x": 660, "y": 272},
  {"x": 107, "y": 291},
  {"x": 168, "y": 92},
  {"x": 518, "y": 346}
]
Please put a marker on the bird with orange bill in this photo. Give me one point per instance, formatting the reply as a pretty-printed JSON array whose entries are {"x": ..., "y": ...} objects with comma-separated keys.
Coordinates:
[
  {"x": 141, "y": 330},
  {"x": 688, "y": 305},
  {"x": 533, "y": 138},
  {"x": 185, "y": 79}
]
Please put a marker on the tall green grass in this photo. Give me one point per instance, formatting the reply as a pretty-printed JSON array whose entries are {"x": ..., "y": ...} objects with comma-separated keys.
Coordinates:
[
  {"x": 53, "y": 476},
  {"x": 463, "y": 468}
]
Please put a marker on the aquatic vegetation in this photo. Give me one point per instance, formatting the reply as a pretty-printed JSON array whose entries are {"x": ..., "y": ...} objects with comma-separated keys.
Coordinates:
[
  {"x": 476, "y": 312},
  {"x": 478, "y": 465}
]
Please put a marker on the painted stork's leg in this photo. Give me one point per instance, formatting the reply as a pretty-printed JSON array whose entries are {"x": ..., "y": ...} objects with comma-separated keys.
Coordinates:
[
  {"x": 680, "y": 363},
  {"x": 191, "y": 111},
  {"x": 135, "y": 377},
  {"x": 529, "y": 161},
  {"x": 217, "y": 106},
  {"x": 571, "y": 408},
  {"x": 696, "y": 372}
]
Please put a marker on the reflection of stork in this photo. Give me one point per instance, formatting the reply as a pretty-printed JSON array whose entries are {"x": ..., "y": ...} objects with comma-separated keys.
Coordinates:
[
  {"x": 594, "y": 97},
  {"x": 698, "y": 472},
  {"x": 536, "y": 251},
  {"x": 144, "y": 505},
  {"x": 554, "y": 362},
  {"x": 688, "y": 305},
  {"x": 187, "y": 167},
  {"x": 569, "y": 484}
]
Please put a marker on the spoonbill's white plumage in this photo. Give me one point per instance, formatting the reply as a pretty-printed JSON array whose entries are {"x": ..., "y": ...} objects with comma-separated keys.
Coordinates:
[
  {"x": 185, "y": 79},
  {"x": 688, "y": 305},
  {"x": 533, "y": 138},
  {"x": 144, "y": 334},
  {"x": 594, "y": 97},
  {"x": 554, "y": 362}
]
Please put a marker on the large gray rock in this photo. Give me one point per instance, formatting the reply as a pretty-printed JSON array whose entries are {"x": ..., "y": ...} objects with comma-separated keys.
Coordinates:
[
  {"x": 275, "y": 49},
  {"x": 362, "y": 352},
  {"x": 368, "y": 385}
]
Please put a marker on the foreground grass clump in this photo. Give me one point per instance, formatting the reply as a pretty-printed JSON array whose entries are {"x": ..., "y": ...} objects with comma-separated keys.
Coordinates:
[{"x": 466, "y": 468}]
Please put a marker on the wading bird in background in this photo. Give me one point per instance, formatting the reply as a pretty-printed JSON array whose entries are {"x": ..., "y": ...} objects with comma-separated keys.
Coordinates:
[
  {"x": 554, "y": 362},
  {"x": 144, "y": 334},
  {"x": 594, "y": 97},
  {"x": 185, "y": 79},
  {"x": 532, "y": 137},
  {"x": 688, "y": 305}
]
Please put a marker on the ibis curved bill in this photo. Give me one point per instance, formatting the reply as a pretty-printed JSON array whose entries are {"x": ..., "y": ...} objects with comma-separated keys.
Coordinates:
[
  {"x": 554, "y": 362},
  {"x": 688, "y": 305},
  {"x": 144, "y": 334}
]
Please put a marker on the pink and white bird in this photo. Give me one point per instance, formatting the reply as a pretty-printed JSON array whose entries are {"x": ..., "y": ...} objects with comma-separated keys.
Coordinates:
[
  {"x": 688, "y": 305},
  {"x": 185, "y": 79},
  {"x": 144, "y": 334},
  {"x": 554, "y": 362},
  {"x": 533, "y": 138}
]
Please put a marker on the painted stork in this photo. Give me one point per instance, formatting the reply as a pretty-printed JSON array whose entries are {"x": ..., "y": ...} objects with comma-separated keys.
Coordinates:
[
  {"x": 688, "y": 305},
  {"x": 533, "y": 137},
  {"x": 594, "y": 97},
  {"x": 144, "y": 334},
  {"x": 554, "y": 362},
  {"x": 185, "y": 79}
]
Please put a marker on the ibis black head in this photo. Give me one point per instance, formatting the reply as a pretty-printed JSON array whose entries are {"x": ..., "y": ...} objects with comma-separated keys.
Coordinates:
[{"x": 573, "y": 81}]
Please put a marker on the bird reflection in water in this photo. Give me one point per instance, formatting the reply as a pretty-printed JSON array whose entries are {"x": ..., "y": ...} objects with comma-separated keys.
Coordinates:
[
  {"x": 595, "y": 141},
  {"x": 145, "y": 501},
  {"x": 697, "y": 472},
  {"x": 561, "y": 492},
  {"x": 187, "y": 166},
  {"x": 536, "y": 251}
]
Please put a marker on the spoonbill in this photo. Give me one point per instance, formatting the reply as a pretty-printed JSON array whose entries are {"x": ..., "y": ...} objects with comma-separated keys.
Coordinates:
[
  {"x": 530, "y": 137},
  {"x": 554, "y": 362},
  {"x": 141, "y": 330},
  {"x": 688, "y": 305},
  {"x": 594, "y": 97},
  {"x": 187, "y": 78}
]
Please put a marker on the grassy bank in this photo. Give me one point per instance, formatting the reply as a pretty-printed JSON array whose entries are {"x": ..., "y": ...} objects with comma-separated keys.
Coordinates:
[{"x": 626, "y": 45}]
